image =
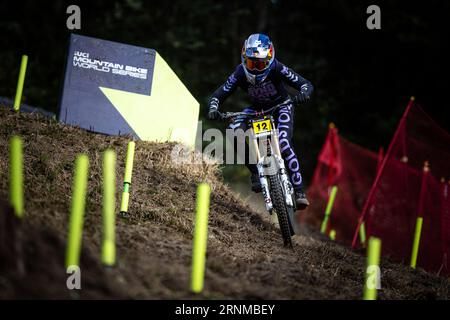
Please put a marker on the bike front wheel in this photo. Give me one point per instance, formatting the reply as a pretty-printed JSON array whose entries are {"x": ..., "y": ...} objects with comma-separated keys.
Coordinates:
[{"x": 281, "y": 209}]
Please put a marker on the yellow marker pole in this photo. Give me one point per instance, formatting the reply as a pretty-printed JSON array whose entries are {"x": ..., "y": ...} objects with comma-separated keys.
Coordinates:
[
  {"x": 416, "y": 242},
  {"x": 127, "y": 179},
  {"x": 109, "y": 204},
  {"x": 419, "y": 221},
  {"x": 324, "y": 226},
  {"x": 20, "y": 82},
  {"x": 16, "y": 175},
  {"x": 333, "y": 234},
  {"x": 77, "y": 211},
  {"x": 372, "y": 268},
  {"x": 200, "y": 238},
  {"x": 362, "y": 234}
]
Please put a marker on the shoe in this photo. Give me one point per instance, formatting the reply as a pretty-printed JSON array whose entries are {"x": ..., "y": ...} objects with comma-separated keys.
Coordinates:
[
  {"x": 300, "y": 200},
  {"x": 256, "y": 184}
]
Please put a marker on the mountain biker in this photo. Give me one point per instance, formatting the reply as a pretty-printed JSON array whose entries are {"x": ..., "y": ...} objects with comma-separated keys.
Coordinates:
[{"x": 263, "y": 78}]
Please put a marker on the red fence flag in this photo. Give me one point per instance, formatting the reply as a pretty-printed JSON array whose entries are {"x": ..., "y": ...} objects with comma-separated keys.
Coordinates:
[
  {"x": 330, "y": 155},
  {"x": 402, "y": 190},
  {"x": 369, "y": 199},
  {"x": 351, "y": 168}
]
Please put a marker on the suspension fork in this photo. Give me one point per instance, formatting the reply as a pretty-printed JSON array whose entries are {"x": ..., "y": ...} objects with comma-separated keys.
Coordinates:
[
  {"x": 287, "y": 185},
  {"x": 276, "y": 143},
  {"x": 262, "y": 177}
]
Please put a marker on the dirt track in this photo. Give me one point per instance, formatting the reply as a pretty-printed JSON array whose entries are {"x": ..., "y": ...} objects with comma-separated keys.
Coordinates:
[{"x": 245, "y": 256}]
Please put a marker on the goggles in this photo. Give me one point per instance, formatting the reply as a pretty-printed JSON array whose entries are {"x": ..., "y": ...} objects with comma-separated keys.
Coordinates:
[{"x": 256, "y": 64}]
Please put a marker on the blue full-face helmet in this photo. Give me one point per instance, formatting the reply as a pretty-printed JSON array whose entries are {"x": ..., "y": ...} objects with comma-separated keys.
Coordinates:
[{"x": 257, "y": 56}]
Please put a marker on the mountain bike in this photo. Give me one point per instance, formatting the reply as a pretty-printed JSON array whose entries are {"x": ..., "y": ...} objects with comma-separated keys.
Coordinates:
[{"x": 277, "y": 189}]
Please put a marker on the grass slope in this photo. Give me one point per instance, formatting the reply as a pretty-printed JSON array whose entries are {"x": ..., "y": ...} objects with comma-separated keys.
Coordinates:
[{"x": 245, "y": 257}]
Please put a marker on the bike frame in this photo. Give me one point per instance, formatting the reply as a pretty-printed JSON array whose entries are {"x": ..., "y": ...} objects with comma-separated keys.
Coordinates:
[
  {"x": 267, "y": 167},
  {"x": 271, "y": 167}
]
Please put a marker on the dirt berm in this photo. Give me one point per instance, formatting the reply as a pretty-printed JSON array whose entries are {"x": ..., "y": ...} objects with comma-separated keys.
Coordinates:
[{"x": 245, "y": 257}]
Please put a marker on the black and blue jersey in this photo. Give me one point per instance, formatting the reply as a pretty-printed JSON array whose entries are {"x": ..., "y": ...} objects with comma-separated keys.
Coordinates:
[{"x": 269, "y": 92}]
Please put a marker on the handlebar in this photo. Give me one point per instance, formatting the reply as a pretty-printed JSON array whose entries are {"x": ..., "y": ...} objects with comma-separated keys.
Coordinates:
[{"x": 230, "y": 115}]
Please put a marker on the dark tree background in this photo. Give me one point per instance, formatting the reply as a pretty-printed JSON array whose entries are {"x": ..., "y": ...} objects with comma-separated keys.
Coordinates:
[{"x": 363, "y": 78}]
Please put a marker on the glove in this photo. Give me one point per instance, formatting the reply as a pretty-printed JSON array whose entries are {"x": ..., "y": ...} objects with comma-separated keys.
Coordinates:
[
  {"x": 301, "y": 97},
  {"x": 213, "y": 112}
]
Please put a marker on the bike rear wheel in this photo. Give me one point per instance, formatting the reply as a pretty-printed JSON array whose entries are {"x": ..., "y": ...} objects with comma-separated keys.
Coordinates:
[{"x": 281, "y": 209}]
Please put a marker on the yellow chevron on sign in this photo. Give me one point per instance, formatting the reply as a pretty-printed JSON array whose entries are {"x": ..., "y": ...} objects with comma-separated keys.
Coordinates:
[{"x": 170, "y": 113}]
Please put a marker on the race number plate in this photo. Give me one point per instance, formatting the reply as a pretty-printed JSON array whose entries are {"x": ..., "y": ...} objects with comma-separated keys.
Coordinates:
[{"x": 262, "y": 126}]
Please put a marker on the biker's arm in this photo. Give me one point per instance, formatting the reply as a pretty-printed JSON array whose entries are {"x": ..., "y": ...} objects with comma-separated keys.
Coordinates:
[
  {"x": 295, "y": 81},
  {"x": 221, "y": 94}
]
